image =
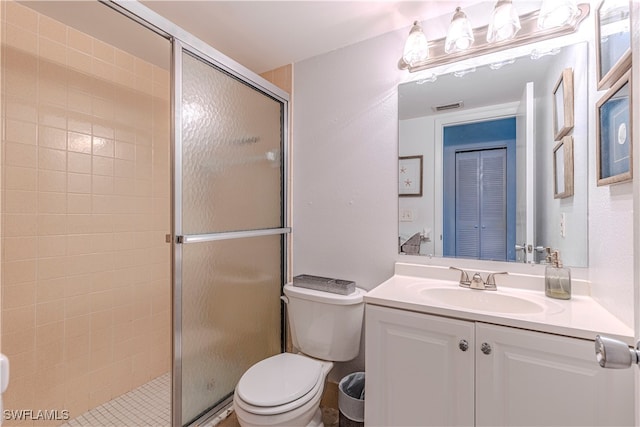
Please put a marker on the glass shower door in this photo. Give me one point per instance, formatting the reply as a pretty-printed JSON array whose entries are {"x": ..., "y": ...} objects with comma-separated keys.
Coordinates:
[{"x": 230, "y": 231}]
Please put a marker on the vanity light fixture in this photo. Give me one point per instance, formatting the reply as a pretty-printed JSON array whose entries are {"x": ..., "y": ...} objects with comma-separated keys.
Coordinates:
[
  {"x": 502, "y": 33},
  {"x": 537, "y": 53},
  {"x": 462, "y": 73},
  {"x": 556, "y": 13},
  {"x": 498, "y": 65},
  {"x": 416, "y": 48},
  {"x": 460, "y": 34},
  {"x": 504, "y": 23}
]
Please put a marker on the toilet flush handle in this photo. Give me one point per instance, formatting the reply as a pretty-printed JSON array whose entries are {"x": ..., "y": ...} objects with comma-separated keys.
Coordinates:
[{"x": 285, "y": 299}]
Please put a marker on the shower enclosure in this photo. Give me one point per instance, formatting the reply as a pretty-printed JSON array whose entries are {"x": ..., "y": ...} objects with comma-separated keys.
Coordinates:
[
  {"x": 144, "y": 229},
  {"x": 229, "y": 229}
]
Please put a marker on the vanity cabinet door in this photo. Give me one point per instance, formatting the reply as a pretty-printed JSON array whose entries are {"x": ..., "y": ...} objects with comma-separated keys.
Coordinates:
[
  {"x": 417, "y": 371},
  {"x": 533, "y": 378}
]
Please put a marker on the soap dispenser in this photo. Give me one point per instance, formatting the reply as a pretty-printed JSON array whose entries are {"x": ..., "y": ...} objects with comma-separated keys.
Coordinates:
[{"x": 557, "y": 279}]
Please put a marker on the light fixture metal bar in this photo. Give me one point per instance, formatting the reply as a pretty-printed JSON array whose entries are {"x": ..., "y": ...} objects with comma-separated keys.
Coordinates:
[{"x": 528, "y": 33}]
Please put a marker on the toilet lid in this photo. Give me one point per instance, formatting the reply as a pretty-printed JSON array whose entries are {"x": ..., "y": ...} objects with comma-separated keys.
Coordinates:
[{"x": 279, "y": 380}]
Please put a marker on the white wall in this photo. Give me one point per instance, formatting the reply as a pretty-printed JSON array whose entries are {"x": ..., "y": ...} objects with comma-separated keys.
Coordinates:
[
  {"x": 415, "y": 136},
  {"x": 548, "y": 209},
  {"x": 345, "y": 151},
  {"x": 345, "y": 148}
]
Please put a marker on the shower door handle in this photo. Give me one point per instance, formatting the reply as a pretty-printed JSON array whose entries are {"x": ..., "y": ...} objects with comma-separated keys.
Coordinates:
[{"x": 199, "y": 238}]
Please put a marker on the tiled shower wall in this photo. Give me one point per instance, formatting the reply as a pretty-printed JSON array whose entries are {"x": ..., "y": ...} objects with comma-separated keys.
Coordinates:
[{"x": 85, "y": 208}]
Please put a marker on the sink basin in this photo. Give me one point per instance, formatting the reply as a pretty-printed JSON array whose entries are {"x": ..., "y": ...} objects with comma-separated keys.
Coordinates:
[{"x": 491, "y": 301}]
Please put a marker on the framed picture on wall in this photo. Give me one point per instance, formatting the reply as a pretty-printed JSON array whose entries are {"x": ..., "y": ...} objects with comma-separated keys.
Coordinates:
[
  {"x": 614, "y": 152},
  {"x": 563, "y": 168},
  {"x": 410, "y": 176},
  {"x": 613, "y": 41},
  {"x": 563, "y": 105}
]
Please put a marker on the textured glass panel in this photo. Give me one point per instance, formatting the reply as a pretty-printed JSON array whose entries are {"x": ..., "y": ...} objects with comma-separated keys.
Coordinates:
[
  {"x": 232, "y": 149},
  {"x": 230, "y": 315}
]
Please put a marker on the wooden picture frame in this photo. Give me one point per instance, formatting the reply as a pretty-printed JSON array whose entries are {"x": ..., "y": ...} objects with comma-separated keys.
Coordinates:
[
  {"x": 614, "y": 151},
  {"x": 410, "y": 176},
  {"x": 563, "y": 105},
  {"x": 563, "y": 168},
  {"x": 613, "y": 42}
]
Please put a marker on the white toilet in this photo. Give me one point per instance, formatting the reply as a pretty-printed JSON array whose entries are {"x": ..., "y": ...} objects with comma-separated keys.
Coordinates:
[{"x": 285, "y": 389}]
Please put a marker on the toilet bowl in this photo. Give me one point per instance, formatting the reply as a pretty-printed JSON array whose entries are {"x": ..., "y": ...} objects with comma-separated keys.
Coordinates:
[{"x": 285, "y": 389}]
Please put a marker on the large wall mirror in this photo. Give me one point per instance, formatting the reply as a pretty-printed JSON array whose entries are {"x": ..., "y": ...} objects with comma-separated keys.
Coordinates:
[{"x": 482, "y": 145}]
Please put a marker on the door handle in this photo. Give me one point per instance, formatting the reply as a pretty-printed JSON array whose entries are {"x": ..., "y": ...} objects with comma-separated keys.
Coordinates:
[{"x": 614, "y": 354}]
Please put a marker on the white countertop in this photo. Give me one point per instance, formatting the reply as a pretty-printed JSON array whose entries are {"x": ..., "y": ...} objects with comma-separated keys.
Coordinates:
[{"x": 579, "y": 317}]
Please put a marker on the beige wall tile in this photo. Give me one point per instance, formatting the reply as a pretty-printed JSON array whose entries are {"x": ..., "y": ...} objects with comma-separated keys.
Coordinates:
[
  {"x": 79, "y": 61},
  {"x": 52, "y": 159},
  {"x": 15, "y": 343},
  {"x": 52, "y": 224},
  {"x": 79, "y": 183},
  {"x": 78, "y": 101},
  {"x": 86, "y": 157},
  {"x": 50, "y": 290},
  {"x": 52, "y": 50},
  {"x": 20, "y": 248},
  {"x": 79, "y": 41},
  {"x": 52, "y": 203},
  {"x": 22, "y": 16},
  {"x": 78, "y": 203},
  {"x": 18, "y": 178},
  {"x": 52, "y": 246},
  {"x": 79, "y": 142},
  {"x": 49, "y": 312},
  {"x": 21, "y": 39},
  {"x": 79, "y": 162},
  {"x": 17, "y": 320},
  {"x": 52, "y": 29},
  {"x": 79, "y": 123},
  {"x": 20, "y": 108},
  {"x": 16, "y": 272},
  {"x": 52, "y": 268},
  {"x": 103, "y": 146},
  {"x": 22, "y": 366},
  {"x": 124, "y": 60},
  {"x": 22, "y": 202},
  {"x": 20, "y": 131},
  {"x": 20, "y": 155},
  {"x": 54, "y": 181},
  {"x": 103, "y": 51}
]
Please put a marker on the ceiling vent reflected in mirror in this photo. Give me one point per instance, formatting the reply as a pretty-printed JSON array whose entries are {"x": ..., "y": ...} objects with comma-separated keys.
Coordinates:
[{"x": 447, "y": 107}]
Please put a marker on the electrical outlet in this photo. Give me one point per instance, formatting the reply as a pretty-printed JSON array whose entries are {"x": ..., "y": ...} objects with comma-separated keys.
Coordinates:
[
  {"x": 563, "y": 225},
  {"x": 406, "y": 215}
]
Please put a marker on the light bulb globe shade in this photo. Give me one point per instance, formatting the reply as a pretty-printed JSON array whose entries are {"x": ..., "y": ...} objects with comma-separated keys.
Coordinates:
[
  {"x": 504, "y": 23},
  {"x": 416, "y": 48},
  {"x": 460, "y": 34},
  {"x": 557, "y": 13}
]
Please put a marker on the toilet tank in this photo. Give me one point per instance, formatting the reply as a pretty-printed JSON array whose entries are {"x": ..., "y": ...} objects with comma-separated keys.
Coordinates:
[{"x": 325, "y": 325}]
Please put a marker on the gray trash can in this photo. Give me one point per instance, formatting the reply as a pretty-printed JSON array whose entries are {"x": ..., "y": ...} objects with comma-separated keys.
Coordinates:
[{"x": 351, "y": 400}]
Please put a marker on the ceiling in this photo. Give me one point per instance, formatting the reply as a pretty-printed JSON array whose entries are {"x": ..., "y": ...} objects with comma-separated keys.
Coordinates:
[{"x": 263, "y": 35}]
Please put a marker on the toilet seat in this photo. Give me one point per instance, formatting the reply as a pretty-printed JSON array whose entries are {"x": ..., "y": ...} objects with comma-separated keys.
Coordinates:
[{"x": 280, "y": 384}]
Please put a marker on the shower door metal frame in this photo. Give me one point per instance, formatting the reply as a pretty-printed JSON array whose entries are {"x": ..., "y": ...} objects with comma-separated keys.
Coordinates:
[
  {"x": 181, "y": 41},
  {"x": 179, "y": 239}
]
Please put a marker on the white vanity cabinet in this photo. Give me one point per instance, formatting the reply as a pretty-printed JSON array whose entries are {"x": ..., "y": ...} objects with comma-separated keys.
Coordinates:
[{"x": 419, "y": 374}]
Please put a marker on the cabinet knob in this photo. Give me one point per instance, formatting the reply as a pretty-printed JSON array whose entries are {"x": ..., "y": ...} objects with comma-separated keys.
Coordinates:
[
  {"x": 463, "y": 345},
  {"x": 485, "y": 348}
]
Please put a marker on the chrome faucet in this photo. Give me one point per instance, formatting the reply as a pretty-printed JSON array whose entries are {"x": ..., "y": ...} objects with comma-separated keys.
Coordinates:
[
  {"x": 464, "y": 277},
  {"x": 476, "y": 282}
]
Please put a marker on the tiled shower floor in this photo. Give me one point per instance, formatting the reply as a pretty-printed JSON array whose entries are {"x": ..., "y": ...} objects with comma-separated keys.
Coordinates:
[{"x": 147, "y": 406}]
